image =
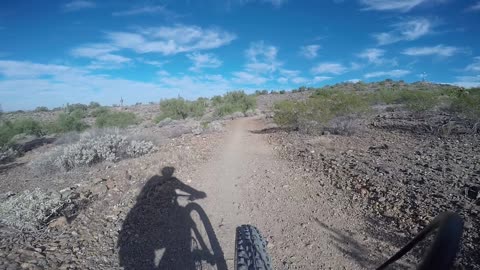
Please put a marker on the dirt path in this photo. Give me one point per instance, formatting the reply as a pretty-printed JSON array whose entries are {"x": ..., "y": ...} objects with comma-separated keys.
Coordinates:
[{"x": 306, "y": 228}]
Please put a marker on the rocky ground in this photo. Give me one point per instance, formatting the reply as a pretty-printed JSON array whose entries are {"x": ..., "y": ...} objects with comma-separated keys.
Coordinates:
[
  {"x": 321, "y": 201},
  {"x": 402, "y": 171},
  {"x": 85, "y": 235}
]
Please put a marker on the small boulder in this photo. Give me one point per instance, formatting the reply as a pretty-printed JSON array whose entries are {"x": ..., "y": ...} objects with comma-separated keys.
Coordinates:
[{"x": 58, "y": 223}]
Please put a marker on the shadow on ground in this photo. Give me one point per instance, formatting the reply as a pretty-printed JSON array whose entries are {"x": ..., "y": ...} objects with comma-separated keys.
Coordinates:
[
  {"x": 158, "y": 233},
  {"x": 364, "y": 256},
  {"x": 271, "y": 130}
]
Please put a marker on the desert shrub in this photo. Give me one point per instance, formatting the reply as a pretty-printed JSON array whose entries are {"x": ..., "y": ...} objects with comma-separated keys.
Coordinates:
[
  {"x": 318, "y": 111},
  {"x": 99, "y": 111},
  {"x": 29, "y": 210},
  {"x": 179, "y": 108},
  {"x": 94, "y": 105},
  {"x": 236, "y": 101},
  {"x": 8, "y": 129},
  {"x": 419, "y": 101},
  {"x": 65, "y": 123},
  {"x": 216, "y": 100},
  {"x": 77, "y": 106},
  {"x": 281, "y": 92},
  {"x": 78, "y": 113},
  {"x": 92, "y": 149},
  {"x": 287, "y": 113},
  {"x": 467, "y": 104},
  {"x": 41, "y": 109},
  {"x": 273, "y": 92},
  {"x": 116, "y": 119}
]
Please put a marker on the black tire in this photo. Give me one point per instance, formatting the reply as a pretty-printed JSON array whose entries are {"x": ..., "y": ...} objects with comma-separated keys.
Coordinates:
[{"x": 251, "y": 250}]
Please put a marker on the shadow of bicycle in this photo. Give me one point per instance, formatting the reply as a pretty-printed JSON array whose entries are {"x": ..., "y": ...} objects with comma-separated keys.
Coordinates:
[{"x": 159, "y": 233}]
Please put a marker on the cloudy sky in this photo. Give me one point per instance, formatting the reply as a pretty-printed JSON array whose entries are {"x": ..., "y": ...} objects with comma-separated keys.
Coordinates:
[{"x": 54, "y": 52}]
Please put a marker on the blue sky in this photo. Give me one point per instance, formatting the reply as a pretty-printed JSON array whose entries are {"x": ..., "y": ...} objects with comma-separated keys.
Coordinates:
[{"x": 54, "y": 52}]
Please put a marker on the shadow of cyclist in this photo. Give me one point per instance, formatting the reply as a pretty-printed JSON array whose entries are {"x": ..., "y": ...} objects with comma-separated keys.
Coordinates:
[{"x": 156, "y": 233}]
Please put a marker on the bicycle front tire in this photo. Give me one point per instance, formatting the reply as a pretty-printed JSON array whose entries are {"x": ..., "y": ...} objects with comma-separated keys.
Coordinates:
[{"x": 251, "y": 249}]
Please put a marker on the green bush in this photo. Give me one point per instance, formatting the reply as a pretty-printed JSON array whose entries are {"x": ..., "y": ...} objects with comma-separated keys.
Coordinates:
[
  {"x": 281, "y": 92},
  {"x": 94, "y": 105},
  {"x": 78, "y": 113},
  {"x": 322, "y": 107},
  {"x": 287, "y": 113},
  {"x": 116, "y": 119},
  {"x": 179, "y": 108},
  {"x": 9, "y": 129},
  {"x": 419, "y": 101},
  {"x": 41, "y": 109},
  {"x": 467, "y": 103},
  {"x": 236, "y": 101},
  {"x": 78, "y": 106},
  {"x": 65, "y": 123},
  {"x": 216, "y": 100},
  {"x": 99, "y": 111}
]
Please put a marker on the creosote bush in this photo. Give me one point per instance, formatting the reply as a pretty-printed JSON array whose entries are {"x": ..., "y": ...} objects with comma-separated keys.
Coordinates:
[
  {"x": 315, "y": 114},
  {"x": 28, "y": 126},
  {"x": 180, "y": 108},
  {"x": 236, "y": 101},
  {"x": 115, "y": 119}
]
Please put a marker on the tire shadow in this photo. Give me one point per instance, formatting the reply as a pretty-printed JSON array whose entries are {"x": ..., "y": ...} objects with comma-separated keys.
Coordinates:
[{"x": 157, "y": 232}]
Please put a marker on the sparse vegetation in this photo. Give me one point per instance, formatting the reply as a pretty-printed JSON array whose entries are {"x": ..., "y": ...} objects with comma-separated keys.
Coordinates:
[
  {"x": 115, "y": 119},
  {"x": 329, "y": 103},
  {"x": 41, "y": 109},
  {"x": 65, "y": 123},
  {"x": 92, "y": 149},
  {"x": 180, "y": 108},
  {"x": 27, "y": 126},
  {"x": 236, "y": 101},
  {"x": 317, "y": 112},
  {"x": 29, "y": 210},
  {"x": 94, "y": 105}
]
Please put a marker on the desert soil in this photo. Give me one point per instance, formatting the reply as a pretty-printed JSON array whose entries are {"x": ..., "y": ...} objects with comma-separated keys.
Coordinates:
[{"x": 237, "y": 177}]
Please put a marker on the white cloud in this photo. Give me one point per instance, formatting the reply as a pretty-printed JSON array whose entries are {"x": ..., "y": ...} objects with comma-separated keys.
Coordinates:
[
  {"x": 396, "y": 73},
  {"x": 203, "y": 60},
  {"x": 101, "y": 55},
  {"x": 289, "y": 73},
  {"x": 310, "y": 51},
  {"x": 154, "y": 63},
  {"x": 329, "y": 67},
  {"x": 440, "y": 50},
  {"x": 146, "y": 10},
  {"x": 354, "y": 80},
  {"x": 317, "y": 79},
  {"x": 261, "y": 58},
  {"x": 468, "y": 81},
  {"x": 282, "y": 80},
  {"x": 171, "y": 40},
  {"x": 163, "y": 73},
  {"x": 475, "y": 7},
  {"x": 242, "y": 77},
  {"x": 78, "y": 5},
  {"x": 275, "y": 3},
  {"x": 407, "y": 30},
  {"x": 389, "y": 5},
  {"x": 28, "y": 85},
  {"x": 373, "y": 55},
  {"x": 20, "y": 69},
  {"x": 299, "y": 80},
  {"x": 475, "y": 66}
]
